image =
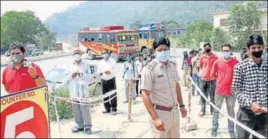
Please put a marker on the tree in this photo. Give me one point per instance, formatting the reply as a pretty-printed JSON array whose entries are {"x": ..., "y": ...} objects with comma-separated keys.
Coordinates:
[
  {"x": 21, "y": 27},
  {"x": 198, "y": 31},
  {"x": 135, "y": 25},
  {"x": 243, "y": 20},
  {"x": 219, "y": 37}
]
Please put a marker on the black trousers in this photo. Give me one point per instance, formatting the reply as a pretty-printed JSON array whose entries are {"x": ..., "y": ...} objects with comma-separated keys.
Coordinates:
[
  {"x": 107, "y": 86},
  {"x": 257, "y": 123},
  {"x": 208, "y": 88}
]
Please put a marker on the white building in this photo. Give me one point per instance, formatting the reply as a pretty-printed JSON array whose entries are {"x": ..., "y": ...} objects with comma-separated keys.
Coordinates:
[{"x": 220, "y": 20}]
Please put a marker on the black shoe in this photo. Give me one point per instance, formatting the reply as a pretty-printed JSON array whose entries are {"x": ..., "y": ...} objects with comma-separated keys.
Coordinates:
[
  {"x": 106, "y": 111},
  {"x": 88, "y": 131},
  {"x": 76, "y": 129},
  {"x": 113, "y": 112},
  {"x": 214, "y": 133}
]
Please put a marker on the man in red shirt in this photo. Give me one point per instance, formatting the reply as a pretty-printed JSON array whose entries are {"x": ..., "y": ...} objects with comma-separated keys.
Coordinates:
[
  {"x": 207, "y": 82},
  {"x": 20, "y": 74},
  {"x": 222, "y": 70}
]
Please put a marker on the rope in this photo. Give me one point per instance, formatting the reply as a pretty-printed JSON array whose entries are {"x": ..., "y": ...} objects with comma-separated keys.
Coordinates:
[
  {"x": 226, "y": 115},
  {"x": 86, "y": 100}
]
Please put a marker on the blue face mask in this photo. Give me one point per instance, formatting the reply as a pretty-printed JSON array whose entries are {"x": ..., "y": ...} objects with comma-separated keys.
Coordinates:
[
  {"x": 162, "y": 56},
  {"x": 105, "y": 55},
  {"x": 227, "y": 54}
]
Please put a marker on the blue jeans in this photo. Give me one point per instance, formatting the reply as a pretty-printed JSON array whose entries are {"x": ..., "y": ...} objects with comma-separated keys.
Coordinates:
[{"x": 196, "y": 79}]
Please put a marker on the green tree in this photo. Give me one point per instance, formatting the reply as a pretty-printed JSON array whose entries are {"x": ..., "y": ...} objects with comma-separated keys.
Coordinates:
[
  {"x": 219, "y": 37},
  {"x": 135, "y": 25},
  {"x": 46, "y": 40},
  {"x": 243, "y": 20},
  {"x": 198, "y": 31},
  {"x": 21, "y": 27}
]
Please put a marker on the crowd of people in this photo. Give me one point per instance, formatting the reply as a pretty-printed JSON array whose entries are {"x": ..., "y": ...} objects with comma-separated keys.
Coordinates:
[
  {"x": 157, "y": 82},
  {"x": 226, "y": 78}
]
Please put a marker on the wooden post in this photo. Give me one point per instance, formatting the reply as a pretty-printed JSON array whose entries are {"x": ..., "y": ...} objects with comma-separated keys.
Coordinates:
[{"x": 130, "y": 99}]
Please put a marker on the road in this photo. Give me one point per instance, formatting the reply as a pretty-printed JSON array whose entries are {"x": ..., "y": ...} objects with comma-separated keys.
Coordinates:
[{"x": 117, "y": 126}]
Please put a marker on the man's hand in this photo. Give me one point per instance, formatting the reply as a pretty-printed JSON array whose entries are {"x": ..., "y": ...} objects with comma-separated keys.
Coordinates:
[
  {"x": 74, "y": 75},
  {"x": 159, "y": 124},
  {"x": 183, "y": 112},
  {"x": 32, "y": 72},
  {"x": 256, "y": 108},
  {"x": 107, "y": 72}
]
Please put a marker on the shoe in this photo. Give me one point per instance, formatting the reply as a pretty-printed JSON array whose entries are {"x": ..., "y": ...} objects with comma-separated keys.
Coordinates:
[
  {"x": 232, "y": 135},
  {"x": 201, "y": 114},
  {"x": 106, "y": 112},
  {"x": 88, "y": 131},
  {"x": 113, "y": 112},
  {"x": 76, "y": 129},
  {"x": 213, "y": 133}
]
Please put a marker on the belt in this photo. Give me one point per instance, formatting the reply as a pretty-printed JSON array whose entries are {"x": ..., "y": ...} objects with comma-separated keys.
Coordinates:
[{"x": 164, "y": 108}]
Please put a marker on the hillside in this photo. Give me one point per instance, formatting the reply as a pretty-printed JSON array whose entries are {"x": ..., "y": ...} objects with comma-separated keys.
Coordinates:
[{"x": 101, "y": 13}]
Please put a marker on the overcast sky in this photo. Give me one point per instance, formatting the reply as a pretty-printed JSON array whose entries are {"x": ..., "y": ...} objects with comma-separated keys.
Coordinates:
[{"x": 42, "y": 9}]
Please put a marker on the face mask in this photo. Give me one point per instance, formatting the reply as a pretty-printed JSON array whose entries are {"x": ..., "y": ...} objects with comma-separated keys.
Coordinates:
[
  {"x": 162, "y": 56},
  {"x": 257, "y": 54},
  {"x": 105, "y": 55},
  {"x": 77, "y": 57},
  {"x": 208, "y": 50},
  {"x": 129, "y": 60},
  {"x": 16, "y": 59},
  {"x": 227, "y": 54}
]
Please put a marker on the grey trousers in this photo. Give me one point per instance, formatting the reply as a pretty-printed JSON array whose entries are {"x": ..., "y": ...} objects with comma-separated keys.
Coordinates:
[
  {"x": 230, "y": 102},
  {"x": 82, "y": 116},
  {"x": 127, "y": 89}
]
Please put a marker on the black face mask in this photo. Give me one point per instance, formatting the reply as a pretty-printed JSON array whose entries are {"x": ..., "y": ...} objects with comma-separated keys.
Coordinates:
[
  {"x": 257, "y": 54},
  {"x": 208, "y": 50}
]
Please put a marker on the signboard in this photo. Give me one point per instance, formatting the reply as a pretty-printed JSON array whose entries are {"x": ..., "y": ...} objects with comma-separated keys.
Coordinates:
[{"x": 25, "y": 114}]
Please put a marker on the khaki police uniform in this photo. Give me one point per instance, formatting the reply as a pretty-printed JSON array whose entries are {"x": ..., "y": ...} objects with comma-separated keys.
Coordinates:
[{"x": 161, "y": 80}]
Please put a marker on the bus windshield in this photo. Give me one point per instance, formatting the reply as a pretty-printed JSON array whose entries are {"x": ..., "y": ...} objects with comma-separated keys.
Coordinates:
[{"x": 127, "y": 38}]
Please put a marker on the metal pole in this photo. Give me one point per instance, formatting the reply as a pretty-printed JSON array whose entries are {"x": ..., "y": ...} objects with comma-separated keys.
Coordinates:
[
  {"x": 130, "y": 100},
  {"x": 57, "y": 116}
]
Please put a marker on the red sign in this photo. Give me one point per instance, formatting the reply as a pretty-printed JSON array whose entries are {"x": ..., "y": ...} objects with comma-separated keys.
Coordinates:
[
  {"x": 24, "y": 119},
  {"x": 25, "y": 114}
]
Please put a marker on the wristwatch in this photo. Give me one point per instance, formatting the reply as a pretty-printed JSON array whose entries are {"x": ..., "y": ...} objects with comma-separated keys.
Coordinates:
[
  {"x": 182, "y": 106},
  {"x": 37, "y": 76}
]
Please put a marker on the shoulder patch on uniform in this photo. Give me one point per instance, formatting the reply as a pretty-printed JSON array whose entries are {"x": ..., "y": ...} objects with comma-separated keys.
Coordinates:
[{"x": 151, "y": 65}]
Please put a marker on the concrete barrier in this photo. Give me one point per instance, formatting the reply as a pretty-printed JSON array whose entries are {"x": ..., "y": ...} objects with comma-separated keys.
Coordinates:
[{"x": 42, "y": 58}]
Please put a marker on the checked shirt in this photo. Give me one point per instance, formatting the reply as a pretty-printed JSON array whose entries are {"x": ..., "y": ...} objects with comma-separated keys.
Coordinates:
[{"x": 250, "y": 83}]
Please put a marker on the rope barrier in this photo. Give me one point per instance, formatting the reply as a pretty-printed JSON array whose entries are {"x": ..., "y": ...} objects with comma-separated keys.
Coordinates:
[
  {"x": 86, "y": 101},
  {"x": 224, "y": 114}
]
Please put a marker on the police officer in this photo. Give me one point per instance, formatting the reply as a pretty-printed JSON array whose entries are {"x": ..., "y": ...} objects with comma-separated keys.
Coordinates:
[{"x": 161, "y": 92}]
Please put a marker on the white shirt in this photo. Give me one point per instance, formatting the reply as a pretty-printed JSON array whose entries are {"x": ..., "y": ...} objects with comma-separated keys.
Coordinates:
[
  {"x": 128, "y": 71},
  {"x": 139, "y": 67},
  {"x": 78, "y": 86},
  {"x": 108, "y": 65}
]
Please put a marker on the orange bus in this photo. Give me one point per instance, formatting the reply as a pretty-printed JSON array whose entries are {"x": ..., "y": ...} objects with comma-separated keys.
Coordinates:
[{"x": 119, "y": 41}]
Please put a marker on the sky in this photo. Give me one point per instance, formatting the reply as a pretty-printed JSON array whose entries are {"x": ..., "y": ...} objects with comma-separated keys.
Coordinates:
[{"x": 42, "y": 9}]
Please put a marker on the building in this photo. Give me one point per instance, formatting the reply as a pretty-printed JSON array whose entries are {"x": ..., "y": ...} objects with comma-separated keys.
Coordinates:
[
  {"x": 174, "y": 29},
  {"x": 220, "y": 19}
]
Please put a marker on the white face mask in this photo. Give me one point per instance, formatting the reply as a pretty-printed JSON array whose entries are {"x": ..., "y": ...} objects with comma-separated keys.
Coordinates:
[{"x": 77, "y": 57}]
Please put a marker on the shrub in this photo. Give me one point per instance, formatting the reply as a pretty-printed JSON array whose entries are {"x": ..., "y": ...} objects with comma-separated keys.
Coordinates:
[{"x": 65, "y": 108}]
